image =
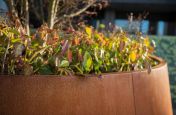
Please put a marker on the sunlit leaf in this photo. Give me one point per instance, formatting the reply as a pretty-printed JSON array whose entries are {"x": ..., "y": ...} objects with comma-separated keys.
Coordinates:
[
  {"x": 100, "y": 38},
  {"x": 102, "y": 26},
  {"x": 89, "y": 31},
  {"x": 153, "y": 43},
  {"x": 146, "y": 42},
  {"x": 80, "y": 57},
  {"x": 76, "y": 41},
  {"x": 87, "y": 61},
  {"x": 133, "y": 56},
  {"x": 64, "y": 63},
  {"x": 69, "y": 55},
  {"x": 97, "y": 36},
  {"x": 16, "y": 40},
  {"x": 37, "y": 53},
  {"x": 14, "y": 31}
]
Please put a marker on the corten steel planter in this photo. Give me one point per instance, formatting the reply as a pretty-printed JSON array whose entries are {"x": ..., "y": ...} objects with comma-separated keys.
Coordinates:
[{"x": 131, "y": 93}]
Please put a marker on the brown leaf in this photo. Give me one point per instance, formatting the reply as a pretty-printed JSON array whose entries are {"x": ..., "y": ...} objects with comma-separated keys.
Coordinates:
[
  {"x": 122, "y": 45},
  {"x": 76, "y": 41}
]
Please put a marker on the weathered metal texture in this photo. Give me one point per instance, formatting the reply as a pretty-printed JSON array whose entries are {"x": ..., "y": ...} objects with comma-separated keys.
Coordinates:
[
  {"x": 134, "y": 93},
  {"x": 152, "y": 92}
]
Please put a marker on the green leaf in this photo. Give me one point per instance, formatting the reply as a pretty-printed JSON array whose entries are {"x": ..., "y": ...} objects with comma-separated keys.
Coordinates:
[
  {"x": 45, "y": 70},
  {"x": 64, "y": 63},
  {"x": 14, "y": 31},
  {"x": 37, "y": 53},
  {"x": 102, "y": 26},
  {"x": 87, "y": 61},
  {"x": 1, "y": 49},
  {"x": 97, "y": 67},
  {"x": 78, "y": 68},
  {"x": 57, "y": 49},
  {"x": 16, "y": 40},
  {"x": 34, "y": 44}
]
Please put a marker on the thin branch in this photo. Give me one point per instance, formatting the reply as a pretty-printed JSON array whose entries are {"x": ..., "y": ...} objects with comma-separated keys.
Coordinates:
[
  {"x": 80, "y": 11},
  {"x": 5, "y": 56},
  {"x": 26, "y": 4},
  {"x": 58, "y": 18},
  {"x": 12, "y": 8},
  {"x": 52, "y": 12}
]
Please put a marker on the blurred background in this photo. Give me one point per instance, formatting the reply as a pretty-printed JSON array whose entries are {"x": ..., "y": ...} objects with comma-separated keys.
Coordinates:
[
  {"x": 157, "y": 18},
  {"x": 159, "y": 15}
]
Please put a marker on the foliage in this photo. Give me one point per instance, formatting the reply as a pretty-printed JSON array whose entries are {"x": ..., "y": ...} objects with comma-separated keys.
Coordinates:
[{"x": 85, "y": 51}]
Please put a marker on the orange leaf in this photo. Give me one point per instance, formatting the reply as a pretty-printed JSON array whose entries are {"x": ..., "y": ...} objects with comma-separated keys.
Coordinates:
[
  {"x": 76, "y": 41},
  {"x": 55, "y": 36},
  {"x": 69, "y": 55}
]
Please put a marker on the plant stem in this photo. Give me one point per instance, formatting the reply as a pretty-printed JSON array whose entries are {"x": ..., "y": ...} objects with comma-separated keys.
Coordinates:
[{"x": 5, "y": 55}]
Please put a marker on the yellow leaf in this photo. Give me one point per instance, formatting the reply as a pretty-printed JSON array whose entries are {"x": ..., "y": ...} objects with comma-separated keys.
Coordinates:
[
  {"x": 125, "y": 39},
  {"x": 133, "y": 56},
  {"x": 89, "y": 31},
  {"x": 146, "y": 42},
  {"x": 99, "y": 37}
]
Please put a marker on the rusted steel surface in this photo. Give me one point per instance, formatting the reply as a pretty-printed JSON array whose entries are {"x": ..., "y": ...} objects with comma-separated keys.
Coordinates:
[
  {"x": 152, "y": 92},
  {"x": 110, "y": 95},
  {"x": 134, "y": 93}
]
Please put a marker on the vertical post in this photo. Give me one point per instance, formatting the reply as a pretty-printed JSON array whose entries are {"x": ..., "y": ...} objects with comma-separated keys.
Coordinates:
[
  {"x": 170, "y": 29},
  {"x": 153, "y": 27}
]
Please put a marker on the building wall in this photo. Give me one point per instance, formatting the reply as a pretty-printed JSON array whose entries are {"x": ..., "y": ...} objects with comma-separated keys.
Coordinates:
[
  {"x": 161, "y": 19},
  {"x": 145, "y": 1},
  {"x": 3, "y": 7}
]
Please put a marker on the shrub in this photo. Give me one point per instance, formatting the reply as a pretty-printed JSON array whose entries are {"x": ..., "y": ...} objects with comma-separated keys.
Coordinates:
[{"x": 82, "y": 51}]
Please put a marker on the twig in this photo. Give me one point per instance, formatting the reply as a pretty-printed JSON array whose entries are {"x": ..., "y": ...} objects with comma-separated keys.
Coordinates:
[
  {"x": 80, "y": 11},
  {"x": 5, "y": 55}
]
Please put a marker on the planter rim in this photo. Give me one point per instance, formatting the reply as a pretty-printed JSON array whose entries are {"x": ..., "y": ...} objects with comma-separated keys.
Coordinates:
[{"x": 161, "y": 63}]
